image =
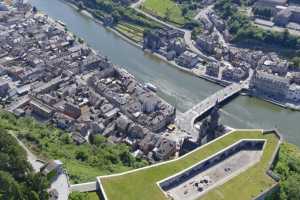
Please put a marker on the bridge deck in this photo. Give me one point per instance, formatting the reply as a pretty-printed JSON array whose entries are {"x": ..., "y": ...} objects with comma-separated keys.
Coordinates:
[{"x": 186, "y": 120}]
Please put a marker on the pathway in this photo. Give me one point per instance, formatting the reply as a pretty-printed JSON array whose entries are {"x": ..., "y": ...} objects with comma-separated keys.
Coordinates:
[
  {"x": 31, "y": 158},
  {"x": 84, "y": 187},
  {"x": 187, "y": 33}
]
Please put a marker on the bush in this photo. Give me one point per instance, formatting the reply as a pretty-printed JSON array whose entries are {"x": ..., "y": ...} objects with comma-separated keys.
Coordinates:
[{"x": 81, "y": 155}]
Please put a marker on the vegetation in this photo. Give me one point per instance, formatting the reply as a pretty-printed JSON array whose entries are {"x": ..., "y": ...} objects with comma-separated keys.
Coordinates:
[
  {"x": 288, "y": 167},
  {"x": 83, "y": 196},
  {"x": 17, "y": 179},
  {"x": 165, "y": 9},
  {"x": 180, "y": 13},
  {"x": 83, "y": 162},
  {"x": 295, "y": 62},
  {"x": 247, "y": 185},
  {"x": 120, "y": 13},
  {"x": 243, "y": 30},
  {"x": 132, "y": 32}
]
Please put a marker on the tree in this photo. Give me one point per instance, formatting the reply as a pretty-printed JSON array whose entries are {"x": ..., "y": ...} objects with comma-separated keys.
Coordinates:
[
  {"x": 9, "y": 187},
  {"x": 81, "y": 155},
  {"x": 290, "y": 189},
  {"x": 116, "y": 15},
  {"x": 17, "y": 181},
  {"x": 184, "y": 11},
  {"x": 168, "y": 14},
  {"x": 66, "y": 139},
  {"x": 97, "y": 140},
  {"x": 78, "y": 196},
  {"x": 287, "y": 167}
]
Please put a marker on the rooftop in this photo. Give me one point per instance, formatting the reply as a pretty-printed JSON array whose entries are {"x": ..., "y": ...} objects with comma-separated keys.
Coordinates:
[{"x": 143, "y": 182}]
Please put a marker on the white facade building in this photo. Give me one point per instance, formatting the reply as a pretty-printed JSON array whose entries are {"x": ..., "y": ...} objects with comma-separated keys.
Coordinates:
[{"x": 294, "y": 93}]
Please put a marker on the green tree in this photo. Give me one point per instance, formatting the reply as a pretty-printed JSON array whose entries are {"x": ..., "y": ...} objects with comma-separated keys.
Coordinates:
[
  {"x": 9, "y": 187},
  {"x": 168, "y": 14},
  {"x": 290, "y": 188},
  {"x": 78, "y": 196},
  {"x": 81, "y": 155}
]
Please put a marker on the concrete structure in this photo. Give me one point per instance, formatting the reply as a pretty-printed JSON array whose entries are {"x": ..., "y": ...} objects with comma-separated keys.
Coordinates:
[
  {"x": 197, "y": 180},
  {"x": 55, "y": 166},
  {"x": 213, "y": 69},
  {"x": 188, "y": 59},
  {"x": 269, "y": 85},
  {"x": 245, "y": 163},
  {"x": 41, "y": 109},
  {"x": 186, "y": 120},
  {"x": 293, "y": 93},
  {"x": 270, "y": 3}
]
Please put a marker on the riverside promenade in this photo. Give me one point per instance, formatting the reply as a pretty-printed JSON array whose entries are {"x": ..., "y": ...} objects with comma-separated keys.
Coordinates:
[{"x": 186, "y": 120}]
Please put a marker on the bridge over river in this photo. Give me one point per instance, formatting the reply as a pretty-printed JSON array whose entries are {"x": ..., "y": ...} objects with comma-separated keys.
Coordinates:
[{"x": 186, "y": 120}]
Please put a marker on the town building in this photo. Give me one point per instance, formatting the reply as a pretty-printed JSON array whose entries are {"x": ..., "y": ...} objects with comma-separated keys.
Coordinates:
[
  {"x": 188, "y": 59},
  {"x": 213, "y": 69},
  {"x": 270, "y": 85},
  {"x": 207, "y": 43},
  {"x": 294, "y": 93}
]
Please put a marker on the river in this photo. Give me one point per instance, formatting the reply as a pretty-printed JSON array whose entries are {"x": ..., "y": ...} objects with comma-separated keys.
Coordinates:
[{"x": 178, "y": 88}]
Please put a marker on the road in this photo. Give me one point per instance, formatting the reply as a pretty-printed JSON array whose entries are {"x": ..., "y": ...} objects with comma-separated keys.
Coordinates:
[
  {"x": 31, "y": 158},
  {"x": 84, "y": 187},
  {"x": 62, "y": 186},
  {"x": 203, "y": 13},
  {"x": 187, "y": 33},
  {"x": 186, "y": 120},
  {"x": 60, "y": 183}
]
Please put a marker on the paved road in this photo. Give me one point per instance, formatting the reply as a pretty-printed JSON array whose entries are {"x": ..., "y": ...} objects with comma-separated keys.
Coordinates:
[
  {"x": 186, "y": 120},
  {"x": 31, "y": 158},
  {"x": 187, "y": 33},
  {"x": 62, "y": 186},
  {"x": 84, "y": 187},
  {"x": 203, "y": 12},
  {"x": 60, "y": 183}
]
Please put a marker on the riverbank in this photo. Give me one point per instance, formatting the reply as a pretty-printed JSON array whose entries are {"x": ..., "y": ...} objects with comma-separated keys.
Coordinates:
[
  {"x": 213, "y": 80},
  {"x": 87, "y": 13},
  {"x": 203, "y": 76},
  {"x": 177, "y": 88},
  {"x": 285, "y": 105}
]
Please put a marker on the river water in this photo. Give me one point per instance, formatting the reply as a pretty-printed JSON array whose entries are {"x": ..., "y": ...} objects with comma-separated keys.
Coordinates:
[{"x": 178, "y": 88}]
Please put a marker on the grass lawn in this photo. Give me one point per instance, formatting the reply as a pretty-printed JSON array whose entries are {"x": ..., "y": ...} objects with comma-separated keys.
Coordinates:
[
  {"x": 93, "y": 196},
  {"x": 142, "y": 184},
  {"x": 166, "y": 9}
]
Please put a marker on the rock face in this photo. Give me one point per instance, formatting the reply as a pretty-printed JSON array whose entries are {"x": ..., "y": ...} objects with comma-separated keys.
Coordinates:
[{"x": 211, "y": 127}]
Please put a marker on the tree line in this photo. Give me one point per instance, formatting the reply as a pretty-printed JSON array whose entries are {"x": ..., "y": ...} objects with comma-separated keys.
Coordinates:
[{"x": 17, "y": 179}]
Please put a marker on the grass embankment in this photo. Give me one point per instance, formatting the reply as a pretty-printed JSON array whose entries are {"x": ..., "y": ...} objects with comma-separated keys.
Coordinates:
[
  {"x": 165, "y": 9},
  {"x": 133, "y": 32},
  {"x": 288, "y": 168},
  {"x": 247, "y": 185},
  {"x": 84, "y": 196},
  {"x": 84, "y": 162},
  {"x": 93, "y": 196}
]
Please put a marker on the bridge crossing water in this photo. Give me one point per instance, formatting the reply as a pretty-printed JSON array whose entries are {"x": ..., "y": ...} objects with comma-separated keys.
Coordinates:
[{"x": 186, "y": 120}]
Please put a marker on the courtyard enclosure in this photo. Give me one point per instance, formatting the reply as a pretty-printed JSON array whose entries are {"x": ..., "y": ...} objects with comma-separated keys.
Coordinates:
[
  {"x": 217, "y": 169},
  {"x": 143, "y": 183}
]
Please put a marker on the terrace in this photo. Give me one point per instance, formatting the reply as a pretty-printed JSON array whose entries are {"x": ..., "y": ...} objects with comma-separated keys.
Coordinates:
[
  {"x": 139, "y": 183},
  {"x": 219, "y": 168}
]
